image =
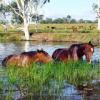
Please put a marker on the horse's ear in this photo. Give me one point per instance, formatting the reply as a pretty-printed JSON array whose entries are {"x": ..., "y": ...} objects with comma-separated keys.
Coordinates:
[
  {"x": 42, "y": 49},
  {"x": 90, "y": 42},
  {"x": 38, "y": 50}
]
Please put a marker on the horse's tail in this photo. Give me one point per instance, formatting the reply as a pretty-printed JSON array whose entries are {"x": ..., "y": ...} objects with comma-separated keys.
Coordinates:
[{"x": 4, "y": 62}]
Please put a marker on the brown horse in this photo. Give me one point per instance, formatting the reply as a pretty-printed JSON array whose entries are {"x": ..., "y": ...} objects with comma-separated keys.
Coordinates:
[
  {"x": 74, "y": 52},
  {"x": 27, "y": 58}
]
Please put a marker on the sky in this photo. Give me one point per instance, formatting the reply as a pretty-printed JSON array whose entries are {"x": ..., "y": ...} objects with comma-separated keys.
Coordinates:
[{"x": 78, "y": 9}]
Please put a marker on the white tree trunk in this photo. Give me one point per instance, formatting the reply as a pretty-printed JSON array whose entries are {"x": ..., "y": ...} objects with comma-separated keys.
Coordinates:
[
  {"x": 98, "y": 23},
  {"x": 26, "y": 31},
  {"x": 98, "y": 14}
]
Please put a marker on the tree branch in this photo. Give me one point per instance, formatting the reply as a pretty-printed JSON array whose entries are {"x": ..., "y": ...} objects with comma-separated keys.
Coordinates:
[
  {"x": 18, "y": 5},
  {"x": 16, "y": 12}
]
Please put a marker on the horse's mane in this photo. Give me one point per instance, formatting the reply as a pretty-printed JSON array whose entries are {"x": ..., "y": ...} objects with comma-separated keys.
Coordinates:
[
  {"x": 30, "y": 53},
  {"x": 42, "y": 51},
  {"x": 81, "y": 44}
]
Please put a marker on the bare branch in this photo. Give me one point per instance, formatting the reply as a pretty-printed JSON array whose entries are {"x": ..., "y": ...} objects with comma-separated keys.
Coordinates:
[
  {"x": 18, "y": 5},
  {"x": 16, "y": 12}
]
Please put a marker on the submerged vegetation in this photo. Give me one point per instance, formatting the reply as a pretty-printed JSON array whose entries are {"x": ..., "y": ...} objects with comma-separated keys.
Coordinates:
[{"x": 49, "y": 78}]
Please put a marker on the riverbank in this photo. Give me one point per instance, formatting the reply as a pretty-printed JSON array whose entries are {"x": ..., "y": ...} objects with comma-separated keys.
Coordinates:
[
  {"x": 55, "y": 33},
  {"x": 67, "y": 37}
]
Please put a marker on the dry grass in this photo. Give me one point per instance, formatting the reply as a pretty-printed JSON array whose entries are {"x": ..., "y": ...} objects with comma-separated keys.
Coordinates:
[{"x": 54, "y": 32}]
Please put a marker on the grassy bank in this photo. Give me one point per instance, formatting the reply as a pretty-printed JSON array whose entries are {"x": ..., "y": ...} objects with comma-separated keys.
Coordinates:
[{"x": 54, "y": 32}]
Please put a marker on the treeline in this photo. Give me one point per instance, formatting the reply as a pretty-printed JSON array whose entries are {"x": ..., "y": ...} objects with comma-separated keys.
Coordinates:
[{"x": 65, "y": 20}]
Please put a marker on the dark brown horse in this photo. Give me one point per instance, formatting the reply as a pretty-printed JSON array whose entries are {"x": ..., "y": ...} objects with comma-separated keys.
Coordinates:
[
  {"x": 74, "y": 52},
  {"x": 27, "y": 58}
]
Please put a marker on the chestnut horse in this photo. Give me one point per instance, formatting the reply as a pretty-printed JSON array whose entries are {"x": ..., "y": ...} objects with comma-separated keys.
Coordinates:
[
  {"x": 74, "y": 52},
  {"x": 27, "y": 58}
]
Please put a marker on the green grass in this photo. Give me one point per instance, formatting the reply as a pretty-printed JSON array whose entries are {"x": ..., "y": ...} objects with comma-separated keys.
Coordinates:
[
  {"x": 51, "y": 77},
  {"x": 62, "y": 32}
]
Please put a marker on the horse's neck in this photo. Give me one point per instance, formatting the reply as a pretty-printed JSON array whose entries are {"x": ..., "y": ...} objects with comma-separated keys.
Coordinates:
[
  {"x": 73, "y": 53},
  {"x": 80, "y": 52}
]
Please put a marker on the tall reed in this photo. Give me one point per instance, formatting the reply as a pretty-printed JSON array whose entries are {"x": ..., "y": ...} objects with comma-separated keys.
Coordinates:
[{"x": 51, "y": 77}]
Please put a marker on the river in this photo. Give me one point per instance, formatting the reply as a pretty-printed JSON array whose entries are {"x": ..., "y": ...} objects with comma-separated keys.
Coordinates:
[{"x": 16, "y": 48}]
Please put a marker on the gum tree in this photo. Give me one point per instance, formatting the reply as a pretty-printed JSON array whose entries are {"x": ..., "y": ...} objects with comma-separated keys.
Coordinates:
[
  {"x": 4, "y": 13},
  {"x": 96, "y": 8},
  {"x": 26, "y": 9}
]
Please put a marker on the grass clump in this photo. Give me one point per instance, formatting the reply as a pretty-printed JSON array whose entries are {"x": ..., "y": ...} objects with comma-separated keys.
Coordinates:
[{"x": 49, "y": 77}]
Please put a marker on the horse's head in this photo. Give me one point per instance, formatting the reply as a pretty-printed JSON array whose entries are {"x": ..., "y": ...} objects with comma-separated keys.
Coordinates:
[
  {"x": 88, "y": 50},
  {"x": 43, "y": 56},
  {"x": 79, "y": 50}
]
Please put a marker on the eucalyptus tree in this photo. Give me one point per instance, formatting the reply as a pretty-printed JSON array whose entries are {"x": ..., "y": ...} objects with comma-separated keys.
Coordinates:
[
  {"x": 26, "y": 9},
  {"x": 96, "y": 8},
  {"x": 4, "y": 13},
  {"x": 68, "y": 18}
]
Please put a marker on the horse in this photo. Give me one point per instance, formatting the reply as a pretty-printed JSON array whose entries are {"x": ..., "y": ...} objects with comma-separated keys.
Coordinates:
[
  {"x": 75, "y": 52},
  {"x": 27, "y": 58}
]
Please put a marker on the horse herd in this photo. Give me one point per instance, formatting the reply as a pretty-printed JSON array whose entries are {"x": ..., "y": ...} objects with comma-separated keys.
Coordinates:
[{"x": 74, "y": 52}]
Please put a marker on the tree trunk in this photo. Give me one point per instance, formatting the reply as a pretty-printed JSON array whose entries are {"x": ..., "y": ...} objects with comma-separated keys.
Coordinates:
[
  {"x": 98, "y": 14},
  {"x": 98, "y": 23},
  {"x": 26, "y": 31}
]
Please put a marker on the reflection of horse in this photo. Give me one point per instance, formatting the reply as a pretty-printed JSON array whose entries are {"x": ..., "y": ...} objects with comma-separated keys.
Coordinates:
[
  {"x": 74, "y": 52},
  {"x": 27, "y": 58}
]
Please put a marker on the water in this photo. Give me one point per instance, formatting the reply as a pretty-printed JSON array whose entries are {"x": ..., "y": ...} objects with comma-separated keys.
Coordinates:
[
  {"x": 68, "y": 92},
  {"x": 16, "y": 48}
]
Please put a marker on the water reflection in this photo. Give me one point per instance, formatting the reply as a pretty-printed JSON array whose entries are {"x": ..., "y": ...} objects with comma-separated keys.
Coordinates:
[{"x": 27, "y": 45}]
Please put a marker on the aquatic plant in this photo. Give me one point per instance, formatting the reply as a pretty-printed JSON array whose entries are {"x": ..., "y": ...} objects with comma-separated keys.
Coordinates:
[{"x": 51, "y": 77}]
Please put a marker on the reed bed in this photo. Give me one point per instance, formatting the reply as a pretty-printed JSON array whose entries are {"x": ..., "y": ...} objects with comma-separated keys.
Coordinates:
[{"x": 49, "y": 78}]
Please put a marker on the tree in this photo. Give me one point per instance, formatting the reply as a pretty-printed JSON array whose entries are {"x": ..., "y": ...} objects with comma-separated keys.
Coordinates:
[
  {"x": 73, "y": 21},
  {"x": 4, "y": 13},
  {"x": 16, "y": 19},
  {"x": 65, "y": 19},
  {"x": 68, "y": 18},
  {"x": 81, "y": 21},
  {"x": 96, "y": 8},
  {"x": 37, "y": 18},
  {"x": 58, "y": 20},
  {"x": 26, "y": 9}
]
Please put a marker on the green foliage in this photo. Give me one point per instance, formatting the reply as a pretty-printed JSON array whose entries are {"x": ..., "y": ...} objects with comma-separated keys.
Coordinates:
[
  {"x": 4, "y": 11},
  {"x": 64, "y": 20}
]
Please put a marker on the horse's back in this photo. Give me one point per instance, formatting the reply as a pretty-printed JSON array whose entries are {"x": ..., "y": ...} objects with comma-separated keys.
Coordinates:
[
  {"x": 6, "y": 59},
  {"x": 27, "y": 58},
  {"x": 29, "y": 53},
  {"x": 54, "y": 55},
  {"x": 61, "y": 54}
]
